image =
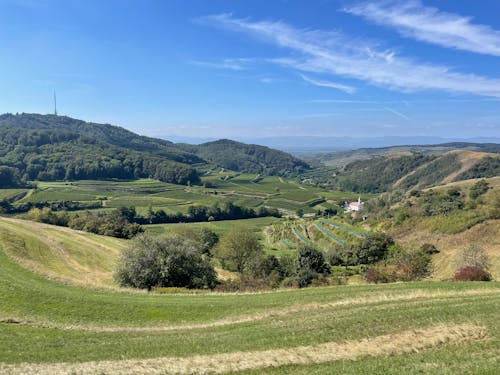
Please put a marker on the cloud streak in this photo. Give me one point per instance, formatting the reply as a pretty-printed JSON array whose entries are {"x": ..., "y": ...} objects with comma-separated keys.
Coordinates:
[
  {"x": 333, "y": 85},
  {"x": 326, "y": 52},
  {"x": 394, "y": 112},
  {"x": 229, "y": 64},
  {"x": 429, "y": 24}
]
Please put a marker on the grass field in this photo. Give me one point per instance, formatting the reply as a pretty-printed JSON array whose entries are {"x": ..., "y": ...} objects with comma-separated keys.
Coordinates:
[
  {"x": 256, "y": 225},
  {"x": 51, "y": 327}
]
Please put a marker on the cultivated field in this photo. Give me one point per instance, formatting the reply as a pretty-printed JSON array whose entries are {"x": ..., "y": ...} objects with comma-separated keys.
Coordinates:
[
  {"x": 242, "y": 189},
  {"x": 52, "y": 324}
]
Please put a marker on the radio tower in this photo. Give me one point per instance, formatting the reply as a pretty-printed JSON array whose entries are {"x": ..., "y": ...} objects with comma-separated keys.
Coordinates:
[{"x": 55, "y": 103}]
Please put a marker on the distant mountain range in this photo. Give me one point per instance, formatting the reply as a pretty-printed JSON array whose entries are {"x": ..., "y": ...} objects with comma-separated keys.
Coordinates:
[{"x": 303, "y": 145}]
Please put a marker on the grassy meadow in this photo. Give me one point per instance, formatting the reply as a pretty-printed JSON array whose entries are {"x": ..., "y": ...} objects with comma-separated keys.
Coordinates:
[{"x": 51, "y": 322}]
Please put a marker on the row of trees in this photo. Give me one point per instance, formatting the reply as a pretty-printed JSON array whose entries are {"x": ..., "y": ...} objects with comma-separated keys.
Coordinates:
[
  {"x": 106, "y": 223},
  {"x": 216, "y": 212}
]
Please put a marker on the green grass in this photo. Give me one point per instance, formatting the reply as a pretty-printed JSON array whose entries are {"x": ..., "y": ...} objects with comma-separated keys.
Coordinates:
[
  {"x": 41, "y": 304},
  {"x": 9, "y": 193},
  {"x": 219, "y": 227}
]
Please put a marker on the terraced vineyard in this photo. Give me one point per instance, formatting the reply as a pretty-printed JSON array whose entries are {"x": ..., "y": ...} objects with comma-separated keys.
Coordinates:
[
  {"x": 52, "y": 324},
  {"x": 322, "y": 232},
  {"x": 241, "y": 189}
]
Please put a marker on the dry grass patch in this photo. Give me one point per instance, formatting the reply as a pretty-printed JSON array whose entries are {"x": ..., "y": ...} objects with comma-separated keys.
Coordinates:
[
  {"x": 450, "y": 245},
  {"x": 61, "y": 254},
  {"x": 387, "y": 345}
]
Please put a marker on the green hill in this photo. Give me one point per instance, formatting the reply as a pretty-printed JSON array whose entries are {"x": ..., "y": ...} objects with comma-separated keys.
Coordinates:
[
  {"x": 248, "y": 158},
  {"x": 49, "y": 327},
  {"x": 49, "y": 147}
]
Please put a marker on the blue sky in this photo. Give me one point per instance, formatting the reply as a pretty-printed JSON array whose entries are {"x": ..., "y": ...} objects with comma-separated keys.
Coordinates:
[{"x": 257, "y": 68}]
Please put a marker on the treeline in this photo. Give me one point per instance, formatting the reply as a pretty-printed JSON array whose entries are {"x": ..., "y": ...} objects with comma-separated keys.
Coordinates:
[
  {"x": 106, "y": 223},
  {"x": 216, "y": 212},
  {"x": 6, "y": 207},
  {"x": 124, "y": 222},
  {"x": 10, "y": 178}
]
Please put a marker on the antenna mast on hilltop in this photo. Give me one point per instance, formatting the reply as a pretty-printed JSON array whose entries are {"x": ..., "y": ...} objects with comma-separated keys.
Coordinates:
[{"x": 55, "y": 103}]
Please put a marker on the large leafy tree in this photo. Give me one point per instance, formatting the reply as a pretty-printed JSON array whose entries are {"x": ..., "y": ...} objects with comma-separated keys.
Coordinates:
[{"x": 237, "y": 248}]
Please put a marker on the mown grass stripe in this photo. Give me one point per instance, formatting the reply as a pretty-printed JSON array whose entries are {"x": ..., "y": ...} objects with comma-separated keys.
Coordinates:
[
  {"x": 405, "y": 342},
  {"x": 366, "y": 300}
]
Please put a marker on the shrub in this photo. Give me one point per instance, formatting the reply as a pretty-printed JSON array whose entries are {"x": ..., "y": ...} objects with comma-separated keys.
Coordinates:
[
  {"x": 474, "y": 256},
  {"x": 382, "y": 274},
  {"x": 172, "y": 262},
  {"x": 472, "y": 273}
]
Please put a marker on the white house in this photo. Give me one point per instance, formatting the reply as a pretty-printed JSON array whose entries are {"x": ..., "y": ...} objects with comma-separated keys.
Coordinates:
[{"x": 355, "y": 206}]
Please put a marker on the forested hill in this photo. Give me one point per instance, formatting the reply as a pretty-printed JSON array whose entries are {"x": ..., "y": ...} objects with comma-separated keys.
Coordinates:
[
  {"x": 109, "y": 134},
  {"x": 249, "y": 158},
  {"x": 49, "y": 147},
  {"x": 414, "y": 170}
]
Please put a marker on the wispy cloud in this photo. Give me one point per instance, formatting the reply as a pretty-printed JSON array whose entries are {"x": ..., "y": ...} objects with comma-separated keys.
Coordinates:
[
  {"x": 342, "y": 101},
  {"x": 394, "y": 112},
  {"x": 413, "y": 19},
  {"x": 334, "y": 53},
  {"x": 230, "y": 64},
  {"x": 318, "y": 115},
  {"x": 333, "y": 85}
]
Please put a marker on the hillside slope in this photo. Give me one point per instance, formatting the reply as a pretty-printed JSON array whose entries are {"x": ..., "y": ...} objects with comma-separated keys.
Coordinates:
[
  {"x": 61, "y": 254},
  {"x": 409, "y": 171},
  {"x": 342, "y": 158},
  {"x": 50, "y": 328},
  {"x": 49, "y": 147},
  {"x": 248, "y": 158}
]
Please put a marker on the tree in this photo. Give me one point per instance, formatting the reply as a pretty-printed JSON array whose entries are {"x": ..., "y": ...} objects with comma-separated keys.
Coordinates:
[
  {"x": 310, "y": 263},
  {"x": 373, "y": 248},
  {"x": 171, "y": 262},
  {"x": 474, "y": 256},
  {"x": 237, "y": 248},
  {"x": 478, "y": 189},
  {"x": 9, "y": 177}
]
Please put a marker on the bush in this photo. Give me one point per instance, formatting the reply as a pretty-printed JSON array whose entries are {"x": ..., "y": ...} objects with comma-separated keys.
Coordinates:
[
  {"x": 382, "y": 274},
  {"x": 402, "y": 265},
  {"x": 172, "y": 262},
  {"x": 472, "y": 273}
]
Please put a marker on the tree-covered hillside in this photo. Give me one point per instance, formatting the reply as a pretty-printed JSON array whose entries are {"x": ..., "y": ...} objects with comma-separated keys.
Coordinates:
[
  {"x": 49, "y": 147},
  {"x": 248, "y": 158}
]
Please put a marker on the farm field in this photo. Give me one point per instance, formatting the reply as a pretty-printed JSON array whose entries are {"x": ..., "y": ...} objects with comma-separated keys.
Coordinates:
[
  {"x": 424, "y": 327},
  {"x": 244, "y": 190}
]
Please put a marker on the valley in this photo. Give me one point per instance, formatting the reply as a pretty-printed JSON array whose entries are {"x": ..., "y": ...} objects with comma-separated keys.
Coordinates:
[{"x": 324, "y": 290}]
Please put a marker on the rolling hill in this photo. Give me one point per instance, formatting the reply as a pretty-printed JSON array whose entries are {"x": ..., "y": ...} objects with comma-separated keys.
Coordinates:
[
  {"x": 50, "y": 324},
  {"x": 248, "y": 158},
  {"x": 342, "y": 158},
  {"x": 408, "y": 170},
  {"x": 49, "y": 147}
]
